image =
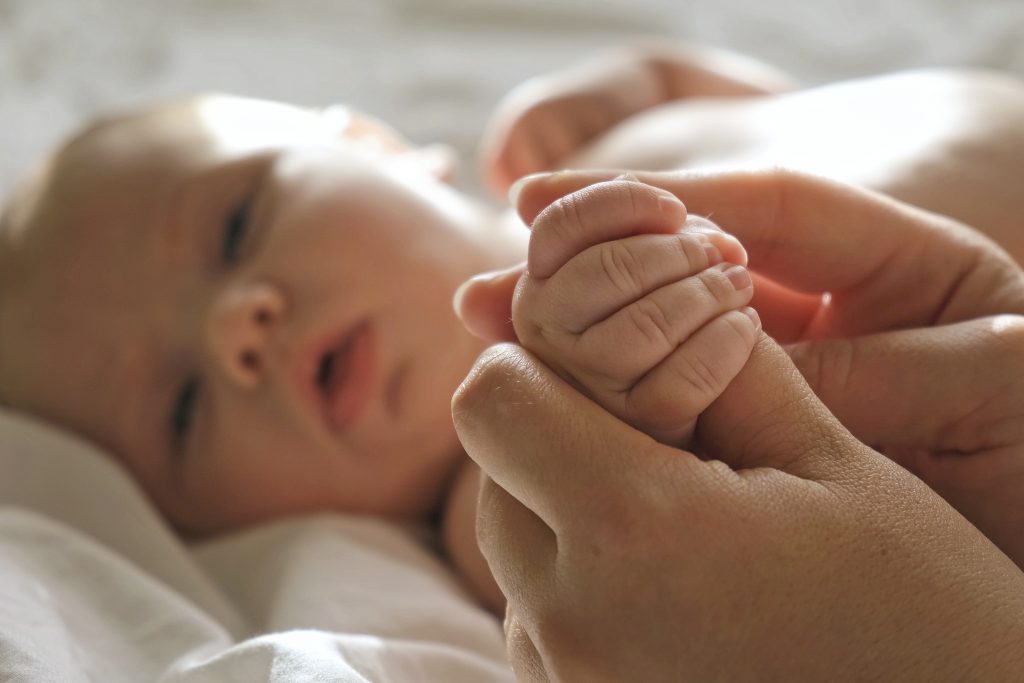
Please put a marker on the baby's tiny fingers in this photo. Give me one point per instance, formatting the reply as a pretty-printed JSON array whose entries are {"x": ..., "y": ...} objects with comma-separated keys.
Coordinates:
[
  {"x": 616, "y": 352},
  {"x": 599, "y": 213},
  {"x": 609, "y": 276},
  {"x": 678, "y": 390}
]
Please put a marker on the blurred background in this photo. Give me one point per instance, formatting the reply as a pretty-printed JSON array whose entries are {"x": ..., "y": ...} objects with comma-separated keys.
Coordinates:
[{"x": 433, "y": 68}]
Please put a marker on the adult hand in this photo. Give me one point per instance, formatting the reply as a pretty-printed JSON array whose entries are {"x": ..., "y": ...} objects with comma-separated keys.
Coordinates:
[
  {"x": 798, "y": 554},
  {"x": 918, "y": 349}
]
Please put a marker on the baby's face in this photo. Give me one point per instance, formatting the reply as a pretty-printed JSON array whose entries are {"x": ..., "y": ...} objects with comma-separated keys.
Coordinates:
[{"x": 253, "y": 313}]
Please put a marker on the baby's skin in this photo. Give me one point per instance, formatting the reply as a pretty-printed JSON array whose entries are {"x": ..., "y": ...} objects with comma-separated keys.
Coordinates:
[{"x": 640, "y": 306}]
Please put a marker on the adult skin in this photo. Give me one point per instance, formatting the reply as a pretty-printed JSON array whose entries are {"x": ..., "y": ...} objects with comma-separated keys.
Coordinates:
[{"x": 795, "y": 532}]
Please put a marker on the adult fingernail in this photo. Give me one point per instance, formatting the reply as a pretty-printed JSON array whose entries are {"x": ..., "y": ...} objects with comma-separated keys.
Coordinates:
[
  {"x": 460, "y": 293},
  {"x": 669, "y": 205},
  {"x": 461, "y": 290},
  {"x": 739, "y": 277},
  {"x": 516, "y": 188}
]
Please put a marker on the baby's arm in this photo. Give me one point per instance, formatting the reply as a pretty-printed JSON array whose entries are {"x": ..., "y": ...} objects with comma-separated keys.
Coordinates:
[
  {"x": 637, "y": 304},
  {"x": 543, "y": 122}
]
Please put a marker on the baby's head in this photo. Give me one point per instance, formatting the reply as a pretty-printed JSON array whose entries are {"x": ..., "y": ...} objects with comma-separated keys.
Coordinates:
[{"x": 249, "y": 304}]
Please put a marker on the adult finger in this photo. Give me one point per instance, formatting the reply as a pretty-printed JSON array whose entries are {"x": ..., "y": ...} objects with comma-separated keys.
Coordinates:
[
  {"x": 526, "y": 661},
  {"x": 923, "y": 390},
  {"x": 768, "y": 417},
  {"x": 519, "y": 547},
  {"x": 816, "y": 235},
  {"x": 484, "y": 303},
  {"x": 553, "y": 449}
]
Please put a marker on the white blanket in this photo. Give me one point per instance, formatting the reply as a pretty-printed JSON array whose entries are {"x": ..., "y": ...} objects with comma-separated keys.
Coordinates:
[{"x": 94, "y": 587}]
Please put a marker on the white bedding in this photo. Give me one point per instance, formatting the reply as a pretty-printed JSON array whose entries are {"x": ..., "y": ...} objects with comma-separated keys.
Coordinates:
[{"x": 94, "y": 587}]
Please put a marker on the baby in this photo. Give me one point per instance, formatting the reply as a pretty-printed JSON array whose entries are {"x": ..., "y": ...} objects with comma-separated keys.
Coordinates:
[{"x": 249, "y": 303}]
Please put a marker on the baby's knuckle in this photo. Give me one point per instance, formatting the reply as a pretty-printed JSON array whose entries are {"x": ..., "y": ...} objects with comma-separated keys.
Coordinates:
[
  {"x": 1005, "y": 341},
  {"x": 716, "y": 284},
  {"x": 690, "y": 249},
  {"x": 621, "y": 267},
  {"x": 568, "y": 214},
  {"x": 653, "y": 322},
  {"x": 741, "y": 328},
  {"x": 698, "y": 376}
]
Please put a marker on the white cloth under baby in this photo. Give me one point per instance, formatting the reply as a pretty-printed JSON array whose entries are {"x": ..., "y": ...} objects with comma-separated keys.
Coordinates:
[{"x": 95, "y": 587}]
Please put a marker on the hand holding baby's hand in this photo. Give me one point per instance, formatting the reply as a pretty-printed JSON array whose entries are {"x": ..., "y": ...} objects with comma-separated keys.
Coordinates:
[{"x": 638, "y": 304}]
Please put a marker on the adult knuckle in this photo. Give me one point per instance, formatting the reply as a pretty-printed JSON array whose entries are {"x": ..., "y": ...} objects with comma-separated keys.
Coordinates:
[
  {"x": 785, "y": 188},
  {"x": 488, "y": 515},
  {"x": 827, "y": 367},
  {"x": 491, "y": 377},
  {"x": 1006, "y": 334}
]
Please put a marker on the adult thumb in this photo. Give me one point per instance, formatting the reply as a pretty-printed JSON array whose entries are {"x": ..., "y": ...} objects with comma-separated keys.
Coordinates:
[
  {"x": 768, "y": 417},
  {"x": 484, "y": 303}
]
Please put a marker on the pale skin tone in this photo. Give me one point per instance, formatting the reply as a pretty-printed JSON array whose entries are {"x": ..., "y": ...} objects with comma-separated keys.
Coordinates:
[
  {"x": 237, "y": 491},
  {"x": 626, "y": 559},
  {"x": 634, "y": 543},
  {"x": 202, "y": 260}
]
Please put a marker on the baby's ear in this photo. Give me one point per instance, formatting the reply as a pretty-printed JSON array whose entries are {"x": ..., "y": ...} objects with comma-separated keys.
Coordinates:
[{"x": 437, "y": 160}]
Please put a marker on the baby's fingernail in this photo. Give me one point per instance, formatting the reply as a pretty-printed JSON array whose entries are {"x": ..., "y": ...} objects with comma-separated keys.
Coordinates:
[
  {"x": 516, "y": 188},
  {"x": 754, "y": 317},
  {"x": 628, "y": 175},
  {"x": 739, "y": 277}
]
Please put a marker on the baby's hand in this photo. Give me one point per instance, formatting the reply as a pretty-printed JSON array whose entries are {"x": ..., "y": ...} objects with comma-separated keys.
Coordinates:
[{"x": 637, "y": 304}]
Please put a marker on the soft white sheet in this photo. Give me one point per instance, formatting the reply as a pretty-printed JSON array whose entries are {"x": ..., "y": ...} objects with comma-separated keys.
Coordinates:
[{"x": 94, "y": 587}]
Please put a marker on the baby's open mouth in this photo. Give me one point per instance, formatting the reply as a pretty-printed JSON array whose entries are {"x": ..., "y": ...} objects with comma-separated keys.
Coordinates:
[{"x": 345, "y": 375}]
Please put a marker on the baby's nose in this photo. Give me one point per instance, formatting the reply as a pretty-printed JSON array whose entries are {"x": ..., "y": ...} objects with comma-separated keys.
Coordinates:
[{"x": 242, "y": 325}]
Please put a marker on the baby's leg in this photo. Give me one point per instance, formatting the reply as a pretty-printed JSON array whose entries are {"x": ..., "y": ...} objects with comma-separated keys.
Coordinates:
[{"x": 636, "y": 304}]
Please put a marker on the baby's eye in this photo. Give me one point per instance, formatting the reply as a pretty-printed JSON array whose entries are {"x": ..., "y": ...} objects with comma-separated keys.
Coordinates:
[
  {"x": 235, "y": 227},
  {"x": 183, "y": 413}
]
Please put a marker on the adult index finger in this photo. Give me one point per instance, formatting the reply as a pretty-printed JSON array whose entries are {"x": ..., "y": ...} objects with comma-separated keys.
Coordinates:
[
  {"x": 557, "y": 452},
  {"x": 814, "y": 235}
]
